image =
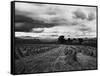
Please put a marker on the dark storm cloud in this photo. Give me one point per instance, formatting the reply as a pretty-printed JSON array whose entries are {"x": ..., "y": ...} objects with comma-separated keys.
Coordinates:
[
  {"x": 79, "y": 14},
  {"x": 23, "y": 23},
  {"x": 26, "y": 23},
  {"x": 23, "y": 26},
  {"x": 91, "y": 17},
  {"x": 22, "y": 18}
]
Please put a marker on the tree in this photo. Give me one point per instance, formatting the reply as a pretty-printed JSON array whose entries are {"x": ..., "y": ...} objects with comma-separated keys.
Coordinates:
[
  {"x": 80, "y": 40},
  {"x": 69, "y": 40},
  {"x": 61, "y": 39}
]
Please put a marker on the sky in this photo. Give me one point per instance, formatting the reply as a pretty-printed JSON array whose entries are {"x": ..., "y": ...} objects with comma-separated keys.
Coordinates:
[{"x": 51, "y": 21}]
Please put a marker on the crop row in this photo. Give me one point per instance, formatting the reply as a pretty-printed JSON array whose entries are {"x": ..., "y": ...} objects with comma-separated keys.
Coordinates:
[{"x": 24, "y": 50}]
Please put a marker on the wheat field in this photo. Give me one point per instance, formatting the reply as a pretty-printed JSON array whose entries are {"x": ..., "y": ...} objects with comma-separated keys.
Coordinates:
[{"x": 38, "y": 58}]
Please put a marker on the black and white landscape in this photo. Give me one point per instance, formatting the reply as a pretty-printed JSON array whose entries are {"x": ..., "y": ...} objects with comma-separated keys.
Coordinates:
[{"x": 54, "y": 38}]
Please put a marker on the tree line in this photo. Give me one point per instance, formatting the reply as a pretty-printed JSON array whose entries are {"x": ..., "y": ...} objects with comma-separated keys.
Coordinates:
[{"x": 62, "y": 40}]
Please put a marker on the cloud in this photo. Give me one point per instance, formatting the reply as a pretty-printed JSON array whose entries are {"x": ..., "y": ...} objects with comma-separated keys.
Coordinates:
[
  {"x": 91, "y": 17},
  {"x": 58, "y": 19},
  {"x": 22, "y": 18},
  {"x": 19, "y": 24},
  {"x": 68, "y": 15},
  {"x": 37, "y": 30},
  {"x": 23, "y": 23},
  {"x": 85, "y": 29},
  {"x": 79, "y": 14},
  {"x": 24, "y": 26}
]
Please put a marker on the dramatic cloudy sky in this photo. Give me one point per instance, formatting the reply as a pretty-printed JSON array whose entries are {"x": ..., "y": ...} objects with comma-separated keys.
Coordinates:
[{"x": 51, "y": 21}]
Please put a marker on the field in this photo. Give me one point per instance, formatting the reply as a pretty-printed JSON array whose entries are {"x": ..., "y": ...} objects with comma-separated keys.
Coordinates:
[{"x": 39, "y": 58}]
